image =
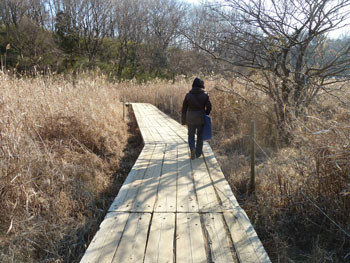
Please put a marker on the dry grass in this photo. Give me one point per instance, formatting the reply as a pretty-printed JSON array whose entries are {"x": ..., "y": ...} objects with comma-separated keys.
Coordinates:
[
  {"x": 318, "y": 163},
  {"x": 60, "y": 144},
  {"x": 61, "y": 151}
]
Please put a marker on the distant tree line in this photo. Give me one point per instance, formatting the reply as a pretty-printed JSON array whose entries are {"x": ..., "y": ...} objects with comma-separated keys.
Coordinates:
[
  {"x": 163, "y": 38},
  {"x": 126, "y": 38}
]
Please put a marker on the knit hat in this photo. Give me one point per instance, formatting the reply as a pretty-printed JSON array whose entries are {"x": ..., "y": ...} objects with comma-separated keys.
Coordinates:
[{"x": 198, "y": 83}]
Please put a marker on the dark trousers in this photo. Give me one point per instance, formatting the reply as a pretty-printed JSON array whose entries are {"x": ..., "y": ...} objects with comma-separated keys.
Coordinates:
[{"x": 192, "y": 130}]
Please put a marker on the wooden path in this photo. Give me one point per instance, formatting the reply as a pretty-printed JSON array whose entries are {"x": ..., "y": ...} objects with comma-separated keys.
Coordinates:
[{"x": 174, "y": 209}]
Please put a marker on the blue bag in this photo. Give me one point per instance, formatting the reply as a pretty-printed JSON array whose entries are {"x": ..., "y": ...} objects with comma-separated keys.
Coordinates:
[{"x": 207, "y": 128}]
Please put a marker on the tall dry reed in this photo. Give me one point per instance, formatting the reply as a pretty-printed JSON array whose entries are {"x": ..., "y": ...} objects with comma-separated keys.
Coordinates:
[{"x": 61, "y": 147}]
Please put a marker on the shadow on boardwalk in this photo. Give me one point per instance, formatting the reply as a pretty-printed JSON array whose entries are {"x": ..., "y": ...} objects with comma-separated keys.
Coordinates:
[{"x": 173, "y": 208}]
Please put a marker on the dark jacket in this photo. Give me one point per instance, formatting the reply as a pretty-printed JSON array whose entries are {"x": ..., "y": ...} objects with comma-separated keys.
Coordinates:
[{"x": 196, "y": 104}]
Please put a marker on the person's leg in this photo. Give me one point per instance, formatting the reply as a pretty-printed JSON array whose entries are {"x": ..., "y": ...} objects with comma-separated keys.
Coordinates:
[
  {"x": 191, "y": 141},
  {"x": 199, "y": 145}
]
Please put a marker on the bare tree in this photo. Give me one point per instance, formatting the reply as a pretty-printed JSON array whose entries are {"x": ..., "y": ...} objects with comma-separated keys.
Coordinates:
[
  {"x": 25, "y": 23},
  {"x": 129, "y": 31},
  {"x": 144, "y": 31},
  {"x": 94, "y": 24},
  {"x": 282, "y": 45},
  {"x": 164, "y": 18},
  {"x": 91, "y": 19}
]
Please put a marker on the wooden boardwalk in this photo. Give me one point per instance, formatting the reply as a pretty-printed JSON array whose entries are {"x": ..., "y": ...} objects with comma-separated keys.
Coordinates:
[{"x": 174, "y": 209}]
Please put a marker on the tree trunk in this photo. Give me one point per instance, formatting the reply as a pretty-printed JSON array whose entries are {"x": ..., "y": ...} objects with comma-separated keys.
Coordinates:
[{"x": 284, "y": 123}]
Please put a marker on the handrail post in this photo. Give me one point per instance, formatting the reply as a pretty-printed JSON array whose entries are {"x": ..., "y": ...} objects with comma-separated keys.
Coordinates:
[
  {"x": 252, "y": 158},
  {"x": 171, "y": 105},
  {"x": 123, "y": 108},
  {"x": 156, "y": 99}
]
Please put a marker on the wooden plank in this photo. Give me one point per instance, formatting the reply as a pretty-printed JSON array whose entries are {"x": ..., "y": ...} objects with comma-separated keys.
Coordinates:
[
  {"x": 174, "y": 128},
  {"x": 140, "y": 162},
  {"x": 244, "y": 248},
  {"x": 223, "y": 189},
  {"x": 190, "y": 244},
  {"x": 206, "y": 195},
  {"x": 135, "y": 108},
  {"x": 154, "y": 127},
  {"x": 149, "y": 118},
  {"x": 146, "y": 197},
  {"x": 166, "y": 198},
  {"x": 164, "y": 125},
  {"x": 146, "y": 134},
  {"x": 172, "y": 136},
  {"x": 173, "y": 122},
  {"x": 158, "y": 137},
  {"x": 133, "y": 243},
  {"x": 125, "y": 198},
  {"x": 138, "y": 114},
  {"x": 218, "y": 240},
  {"x": 149, "y": 135},
  {"x": 186, "y": 197},
  {"x": 161, "y": 239},
  {"x": 164, "y": 136},
  {"x": 106, "y": 240},
  {"x": 245, "y": 239},
  {"x": 178, "y": 132}
]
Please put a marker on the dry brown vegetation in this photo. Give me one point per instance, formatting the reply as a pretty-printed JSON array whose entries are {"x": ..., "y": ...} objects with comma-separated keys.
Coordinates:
[
  {"x": 62, "y": 159},
  {"x": 316, "y": 165},
  {"x": 61, "y": 143}
]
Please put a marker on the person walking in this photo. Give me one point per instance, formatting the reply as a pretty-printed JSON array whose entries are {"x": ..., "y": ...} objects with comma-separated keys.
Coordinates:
[{"x": 195, "y": 105}]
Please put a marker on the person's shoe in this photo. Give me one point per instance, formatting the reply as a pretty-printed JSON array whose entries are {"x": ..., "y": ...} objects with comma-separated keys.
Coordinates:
[
  {"x": 193, "y": 154},
  {"x": 198, "y": 155}
]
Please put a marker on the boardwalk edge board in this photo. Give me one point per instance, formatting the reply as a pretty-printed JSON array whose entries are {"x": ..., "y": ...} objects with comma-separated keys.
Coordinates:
[{"x": 171, "y": 208}]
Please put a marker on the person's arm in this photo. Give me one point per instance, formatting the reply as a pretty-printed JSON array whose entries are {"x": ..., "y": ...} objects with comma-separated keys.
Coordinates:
[
  {"x": 184, "y": 111},
  {"x": 208, "y": 106}
]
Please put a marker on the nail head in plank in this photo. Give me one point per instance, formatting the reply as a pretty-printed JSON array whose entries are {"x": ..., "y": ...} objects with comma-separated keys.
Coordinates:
[
  {"x": 133, "y": 242},
  {"x": 245, "y": 238},
  {"x": 207, "y": 200},
  {"x": 190, "y": 245},
  {"x": 218, "y": 239},
  {"x": 166, "y": 198},
  {"x": 161, "y": 239},
  {"x": 106, "y": 240},
  {"x": 186, "y": 197},
  {"x": 146, "y": 197},
  {"x": 223, "y": 189},
  {"x": 126, "y": 196}
]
